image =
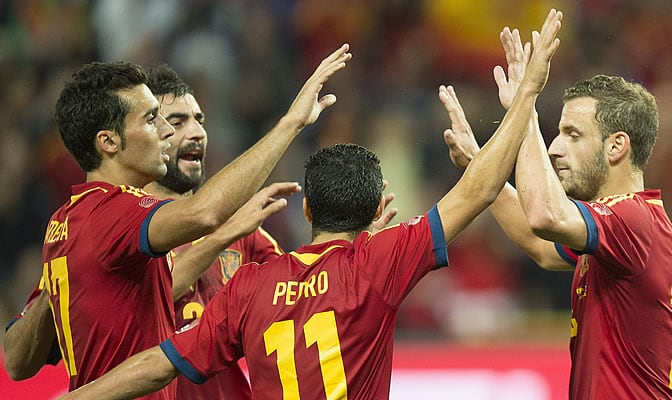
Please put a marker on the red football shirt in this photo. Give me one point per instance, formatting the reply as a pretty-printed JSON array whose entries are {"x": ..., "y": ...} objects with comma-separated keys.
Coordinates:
[
  {"x": 230, "y": 384},
  {"x": 316, "y": 323},
  {"x": 621, "y": 332},
  {"x": 110, "y": 296}
]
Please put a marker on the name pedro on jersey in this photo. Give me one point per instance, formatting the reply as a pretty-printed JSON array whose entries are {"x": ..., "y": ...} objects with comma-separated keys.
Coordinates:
[{"x": 288, "y": 293}]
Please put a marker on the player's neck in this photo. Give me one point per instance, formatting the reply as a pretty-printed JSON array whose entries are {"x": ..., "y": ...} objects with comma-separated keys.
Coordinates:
[
  {"x": 115, "y": 177},
  {"x": 625, "y": 183},
  {"x": 163, "y": 192},
  {"x": 323, "y": 237}
]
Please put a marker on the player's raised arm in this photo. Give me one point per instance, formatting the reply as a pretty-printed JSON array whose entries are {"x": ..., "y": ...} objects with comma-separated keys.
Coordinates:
[
  {"x": 232, "y": 186},
  {"x": 490, "y": 168}
]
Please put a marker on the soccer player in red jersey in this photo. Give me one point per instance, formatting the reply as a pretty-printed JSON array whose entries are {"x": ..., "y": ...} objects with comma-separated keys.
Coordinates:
[
  {"x": 105, "y": 269},
  {"x": 319, "y": 322},
  {"x": 589, "y": 196},
  {"x": 185, "y": 173},
  {"x": 205, "y": 265}
]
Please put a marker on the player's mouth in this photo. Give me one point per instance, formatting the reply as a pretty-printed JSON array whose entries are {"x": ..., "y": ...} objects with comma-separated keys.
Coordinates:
[
  {"x": 562, "y": 171},
  {"x": 192, "y": 157}
]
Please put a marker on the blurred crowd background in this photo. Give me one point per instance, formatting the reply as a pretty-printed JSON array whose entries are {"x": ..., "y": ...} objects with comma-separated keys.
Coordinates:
[{"x": 246, "y": 60}]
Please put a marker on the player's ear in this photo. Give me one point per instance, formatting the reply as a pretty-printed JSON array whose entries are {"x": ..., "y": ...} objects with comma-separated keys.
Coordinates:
[
  {"x": 306, "y": 211},
  {"x": 618, "y": 147},
  {"x": 381, "y": 208},
  {"x": 109, "y": 142}
]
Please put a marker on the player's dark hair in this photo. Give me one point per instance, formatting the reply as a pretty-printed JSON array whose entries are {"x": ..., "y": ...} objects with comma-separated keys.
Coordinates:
[
  {"x": 162, "y": 80},
  {"x": 343, "y": 186},
  {"x": 622, "y": 107},
  {"x": 90, "y": 102}
]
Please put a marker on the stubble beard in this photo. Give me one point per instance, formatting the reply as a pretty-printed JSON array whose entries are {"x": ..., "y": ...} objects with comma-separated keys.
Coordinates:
[{"x": 586, "y": 183}]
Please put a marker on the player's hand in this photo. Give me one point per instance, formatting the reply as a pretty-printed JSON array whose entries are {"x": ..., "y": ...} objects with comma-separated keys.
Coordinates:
[
  {"x": 544, "y": 46},
  {"x": 517, "y": 58},
  {"x": 459, "y": 137},
  {"x": 262, "y": 205},
  {"x": 388, "y": 213},
  {"x": 307, "y": 105}
]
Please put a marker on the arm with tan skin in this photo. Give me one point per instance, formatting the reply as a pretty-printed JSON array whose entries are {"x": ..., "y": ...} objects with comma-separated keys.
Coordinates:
[
  {"x": 144, "y": 373},
  {"x": 488, "y": 171},
  {"x": 29, "y": 341},
  {"x": 187, "y": 219},
  {"x": 551, "y": 215},
  {"x": 463, "y": 147},
  {"x": 191, "y": 263}
]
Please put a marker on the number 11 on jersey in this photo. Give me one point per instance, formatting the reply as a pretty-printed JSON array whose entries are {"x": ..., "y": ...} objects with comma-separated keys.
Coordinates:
[{"x": 320, "y": 329}]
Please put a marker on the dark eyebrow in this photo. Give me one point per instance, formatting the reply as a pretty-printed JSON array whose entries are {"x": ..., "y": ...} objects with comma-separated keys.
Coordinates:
[
  {"x": 570, "y": 128},
  {"x": 179, "y": 115}
]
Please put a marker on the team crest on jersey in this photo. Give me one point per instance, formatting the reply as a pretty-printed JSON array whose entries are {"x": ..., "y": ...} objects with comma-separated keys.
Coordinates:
[
  {"x": 230, "y": 261},
  {"x": 600, "y": 208},
  {"x": 584, "y": 266},
  {"x": 147, "y": 202},
  {"x": 413, "y": 220}
]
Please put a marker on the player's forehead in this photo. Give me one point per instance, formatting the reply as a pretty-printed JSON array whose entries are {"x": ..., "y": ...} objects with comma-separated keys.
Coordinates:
[
  {"x": 578, "y": 112},
  {"x": 140, "y": 100},
  {"x": 182, "y": 105}
]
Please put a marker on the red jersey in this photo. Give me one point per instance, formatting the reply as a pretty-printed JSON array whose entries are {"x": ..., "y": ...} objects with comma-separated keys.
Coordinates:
[
  {"x": 317, "y": 323},
  {"x": 621, "y": 331},
  {"x": 230, "y": 384},
  {"x": 111, "y": 297}
]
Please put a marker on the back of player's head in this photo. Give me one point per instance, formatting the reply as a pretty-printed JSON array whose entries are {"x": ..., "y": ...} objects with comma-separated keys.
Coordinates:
[
  {"x": 622, "y": 107},
  {"x": 343, "y": 187},
  {"x": 90, "y": 102},
  {"x": 163, "y": 80}
]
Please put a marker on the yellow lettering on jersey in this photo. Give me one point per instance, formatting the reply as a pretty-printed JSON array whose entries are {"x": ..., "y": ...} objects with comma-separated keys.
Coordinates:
[
  {"x": 292, "y": 291},
  {"x": 611, "y": 200},
  {"x": 192, "y": 310},
  {"x": 574, "y": 329},
  {"x": 134, "y": 191},
  {"x": 56, "y": 231},
  {"x": 655, "y": 202}
]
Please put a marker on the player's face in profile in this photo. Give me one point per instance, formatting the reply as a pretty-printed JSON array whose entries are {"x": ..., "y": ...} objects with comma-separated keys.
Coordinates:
[
  {"x": 577, "y": 153},
  {"x": 186, "y": 168},
  {"x": 147, "y": 134}
]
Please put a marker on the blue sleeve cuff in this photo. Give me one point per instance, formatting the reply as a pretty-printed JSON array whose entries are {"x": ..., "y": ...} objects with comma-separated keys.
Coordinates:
[
  {"x": 561, "y": 251},
  {"x": 180, "y": 363},
  {"x": 591, "y": 229},
  {"x": 12, "y": 322},
  {"x": 144, "y": 232},
  {"x": 438, "y": 239}
]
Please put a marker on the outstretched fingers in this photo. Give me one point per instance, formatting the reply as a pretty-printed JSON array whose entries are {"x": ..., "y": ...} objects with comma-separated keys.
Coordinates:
[
  {"x": 307, "y": 105},
  {"x": 459, "y": 137},
  {"x": 547, "y": 40},
  {"x": 517, "y": 57},
  {"x": 544, "y": 46},
  {"x": 452, "y": 104},
  {"x": 280, "y": 189}
]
